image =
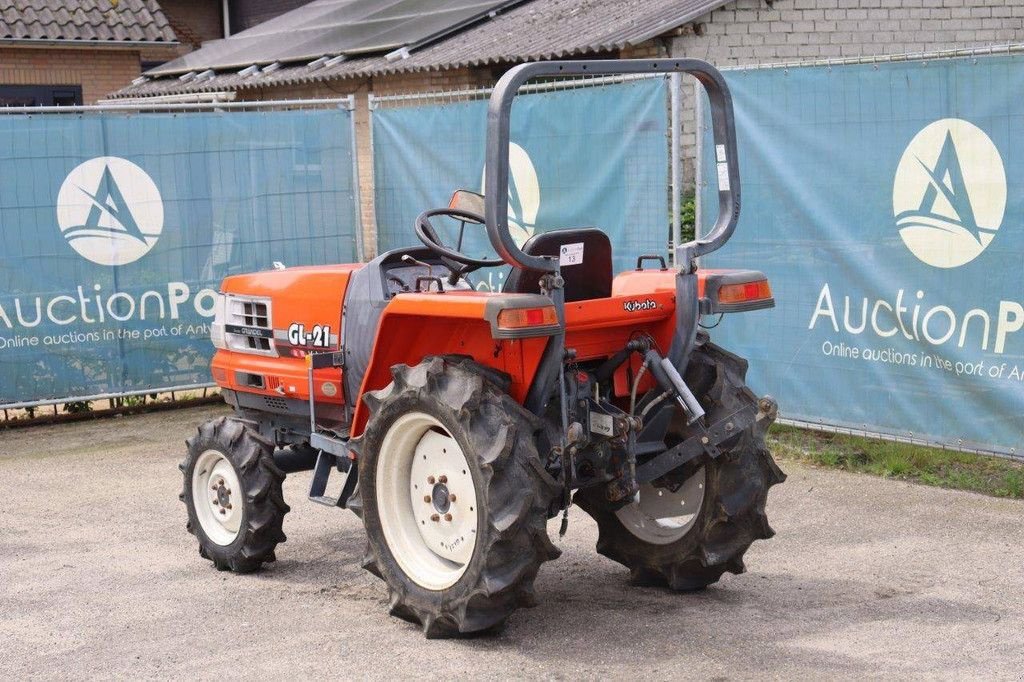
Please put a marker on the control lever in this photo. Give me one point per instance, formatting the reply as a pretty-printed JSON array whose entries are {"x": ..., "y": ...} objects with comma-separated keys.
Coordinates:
[
  {"x": 406, "y": 258},
  {"x": 670, "y": 380}
]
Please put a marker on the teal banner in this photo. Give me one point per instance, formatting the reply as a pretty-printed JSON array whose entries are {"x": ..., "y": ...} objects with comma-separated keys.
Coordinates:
[
  {"x": 586, "y": 157},
  {"x": 116, "y": 230},
  {"x": 886, "y": 204}
]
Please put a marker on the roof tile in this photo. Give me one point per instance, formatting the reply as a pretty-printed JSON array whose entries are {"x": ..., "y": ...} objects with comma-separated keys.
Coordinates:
[{"x": 84, "y": 20}]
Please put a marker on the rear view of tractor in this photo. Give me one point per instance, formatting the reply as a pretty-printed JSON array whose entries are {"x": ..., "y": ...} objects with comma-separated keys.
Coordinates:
[{"x": 456, "y": 423}]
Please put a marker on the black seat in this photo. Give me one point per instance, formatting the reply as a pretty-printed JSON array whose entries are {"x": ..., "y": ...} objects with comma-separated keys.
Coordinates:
[{"x": 592, "y": 278}]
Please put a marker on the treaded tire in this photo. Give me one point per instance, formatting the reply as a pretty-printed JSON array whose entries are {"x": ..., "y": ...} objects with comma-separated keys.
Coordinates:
[
  {"x": 264, "y": 508},
  {"x": 514, "y": 493},
  {"x": 732, "y": 515}
]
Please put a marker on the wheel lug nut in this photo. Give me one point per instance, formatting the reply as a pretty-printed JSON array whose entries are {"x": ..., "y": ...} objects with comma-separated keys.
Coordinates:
[
  {"x": 443, "y": 479},
  {"x": 430, "y": 480},
  {"x": 426, "y": 498},
  {"x": 452, "y": 497},
  {"x": 223, "y": 511},
  {"x": 447, "y": 517},
  {"x": 227, "y": 506},
  {"x": 435, "y": 517}
]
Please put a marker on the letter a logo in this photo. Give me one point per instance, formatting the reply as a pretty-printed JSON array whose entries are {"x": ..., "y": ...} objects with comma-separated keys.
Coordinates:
[
  {"x": 949, "y": 194},
  {"x": 110, "y": 211}
]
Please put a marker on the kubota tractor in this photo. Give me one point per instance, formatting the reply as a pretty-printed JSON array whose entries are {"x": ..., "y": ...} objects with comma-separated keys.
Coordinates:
[{"x": 458, "y": 421}]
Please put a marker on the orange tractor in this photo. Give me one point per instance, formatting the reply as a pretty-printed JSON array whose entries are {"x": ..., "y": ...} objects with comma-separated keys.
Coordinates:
[{"x": 458, "y": 421}]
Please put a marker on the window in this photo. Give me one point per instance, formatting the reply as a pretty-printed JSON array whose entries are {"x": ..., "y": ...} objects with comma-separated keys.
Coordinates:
[{"x": 40, "y": 95}]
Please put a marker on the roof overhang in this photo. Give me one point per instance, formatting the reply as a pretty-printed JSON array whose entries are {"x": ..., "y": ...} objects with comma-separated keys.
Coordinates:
[{"x": 87, "y": 44}]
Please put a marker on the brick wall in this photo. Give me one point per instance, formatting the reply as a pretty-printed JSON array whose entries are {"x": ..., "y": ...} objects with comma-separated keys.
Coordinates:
[
  {"x": 194, "y": 21},
  {"x": 750, "y": 32},
  {"x": 248, "y": 13},
  {"x": 98, "y": 71}
]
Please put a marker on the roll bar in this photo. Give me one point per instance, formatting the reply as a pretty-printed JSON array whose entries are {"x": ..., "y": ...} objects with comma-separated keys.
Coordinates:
[{"x": 499, "y": 113}]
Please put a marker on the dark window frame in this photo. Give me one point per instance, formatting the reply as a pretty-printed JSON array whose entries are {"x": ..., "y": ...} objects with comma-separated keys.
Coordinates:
[{"x": 40, "y": 95}]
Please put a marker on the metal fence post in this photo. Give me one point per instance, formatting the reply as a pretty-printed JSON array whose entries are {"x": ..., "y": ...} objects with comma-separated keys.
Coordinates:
[{"x": 675, "y": 103}]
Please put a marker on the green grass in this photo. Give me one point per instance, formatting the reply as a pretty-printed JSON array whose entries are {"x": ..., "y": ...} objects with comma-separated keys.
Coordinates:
[{"x": 918, "y": 463}]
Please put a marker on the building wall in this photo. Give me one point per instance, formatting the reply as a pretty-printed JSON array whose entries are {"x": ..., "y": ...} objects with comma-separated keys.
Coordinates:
[
  {"x": 749, "y": 32},
  {"x": 194, "y": 21},
  {"x": 98, "y": 71},
  {"x": 248, "y": 13}
]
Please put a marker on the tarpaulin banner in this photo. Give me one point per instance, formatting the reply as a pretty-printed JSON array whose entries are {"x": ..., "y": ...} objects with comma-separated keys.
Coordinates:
[
  {"x": 886, "y": 204},
  {"x": 587, "y": 157},
  {"x": 116, "y": 230}
]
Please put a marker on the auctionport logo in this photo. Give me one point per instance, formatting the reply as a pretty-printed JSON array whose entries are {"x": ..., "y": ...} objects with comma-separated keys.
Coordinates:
[
  {"x": 110, "y": 211},
  {"x": 949, "y": 194}
]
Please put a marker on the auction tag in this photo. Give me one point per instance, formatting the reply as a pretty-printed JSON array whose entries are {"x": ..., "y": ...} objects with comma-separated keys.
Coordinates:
[
  {"x": 571, "y": 254},
  {"x": 602, "y": 424}
]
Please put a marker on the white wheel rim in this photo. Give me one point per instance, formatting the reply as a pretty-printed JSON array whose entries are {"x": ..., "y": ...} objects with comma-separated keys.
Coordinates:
[
  {"x": 217, "y": 497},
  {"x": 426, "y": 501},
  {"x": 661, "y": 516}
]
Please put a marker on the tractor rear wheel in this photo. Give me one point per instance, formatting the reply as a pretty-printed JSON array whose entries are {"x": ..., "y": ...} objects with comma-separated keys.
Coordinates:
[
  {"x": 232, "y": 490},
  {"x": 690, "y": 529},
  {"x": 453, "y": 497}
]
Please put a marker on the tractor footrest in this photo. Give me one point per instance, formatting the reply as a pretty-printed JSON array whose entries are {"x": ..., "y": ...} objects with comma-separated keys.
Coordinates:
[
  {"x": 336, "y": 446},
  {"x": 326, "y": 462}
]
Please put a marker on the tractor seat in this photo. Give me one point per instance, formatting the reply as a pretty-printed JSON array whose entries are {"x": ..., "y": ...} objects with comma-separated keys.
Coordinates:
[{"x": 591, "y": 278}]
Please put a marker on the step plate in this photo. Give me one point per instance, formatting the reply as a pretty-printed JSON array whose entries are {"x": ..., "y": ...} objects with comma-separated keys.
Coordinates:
[{"x": 327, "y": 462}]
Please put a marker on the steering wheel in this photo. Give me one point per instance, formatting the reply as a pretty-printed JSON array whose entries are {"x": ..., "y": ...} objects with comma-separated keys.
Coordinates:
[{"x": 426, "y": 233}]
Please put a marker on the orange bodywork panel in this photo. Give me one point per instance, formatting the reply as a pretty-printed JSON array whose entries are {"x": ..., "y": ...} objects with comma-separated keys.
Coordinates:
[
  {"x": 415, "y": 325},
  {"x": 638, "y": 282},
  {"x": 301, "y": 295}
]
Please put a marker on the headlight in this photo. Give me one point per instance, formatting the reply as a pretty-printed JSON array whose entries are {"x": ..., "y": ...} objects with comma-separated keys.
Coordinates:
[{"x": 217, "y": 328}]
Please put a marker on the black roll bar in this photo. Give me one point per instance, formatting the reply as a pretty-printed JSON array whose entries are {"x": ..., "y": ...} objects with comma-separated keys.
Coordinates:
[{"x": 499, "y": 114}]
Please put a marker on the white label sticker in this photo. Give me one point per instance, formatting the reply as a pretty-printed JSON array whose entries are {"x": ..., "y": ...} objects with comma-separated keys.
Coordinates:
[
  {"x": 571, "y": 254},
  {"x": 602, "y": 424},
  {"x": 723, "y": 177},
  {"x": 720, "y": 153}
]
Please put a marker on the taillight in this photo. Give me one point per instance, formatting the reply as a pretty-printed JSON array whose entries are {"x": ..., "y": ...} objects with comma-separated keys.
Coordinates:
[
  {"x": 745, "y": 292},
  {"x": 734, "y": 291},
  {"x": 522, "y": 318}
]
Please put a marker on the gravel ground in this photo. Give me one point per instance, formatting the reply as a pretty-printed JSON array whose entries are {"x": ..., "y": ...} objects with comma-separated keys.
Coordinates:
[{"x": 866, "y": 578}]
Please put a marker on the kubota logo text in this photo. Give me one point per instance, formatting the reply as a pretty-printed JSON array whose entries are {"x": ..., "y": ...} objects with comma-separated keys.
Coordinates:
[
  {"x": 110, "y": 211},
  {"x": 949, "y": 194}
]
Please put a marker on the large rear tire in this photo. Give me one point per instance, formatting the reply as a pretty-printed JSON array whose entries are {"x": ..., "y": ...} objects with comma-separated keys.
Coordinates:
[
  {"x": 453, "y": 496},
  {"x": 232, "y": 490},
  {"x": 721, "y": 502}
]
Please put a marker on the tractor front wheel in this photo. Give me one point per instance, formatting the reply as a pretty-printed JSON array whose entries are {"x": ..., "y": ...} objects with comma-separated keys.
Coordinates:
[
  {"x": 453, "y": 497},
  {"x": 232, "y": 490}
]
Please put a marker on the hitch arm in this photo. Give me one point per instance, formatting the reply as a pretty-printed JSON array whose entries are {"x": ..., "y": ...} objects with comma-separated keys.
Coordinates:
[{"x": 704, "y": 441}]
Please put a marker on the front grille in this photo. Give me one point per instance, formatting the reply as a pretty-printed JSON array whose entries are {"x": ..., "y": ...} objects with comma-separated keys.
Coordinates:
[
  {"x": 278, "y": 404},
  {"x": 256, "y": 314},
  {"x": 248, "y": 325}
]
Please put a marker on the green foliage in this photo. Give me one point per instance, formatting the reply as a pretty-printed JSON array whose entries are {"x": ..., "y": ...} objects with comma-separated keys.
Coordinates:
[
  {"x": 78, "y": 407},
  {"x": 687, "y": 217},
  {"x": 930, "y": 466}
]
